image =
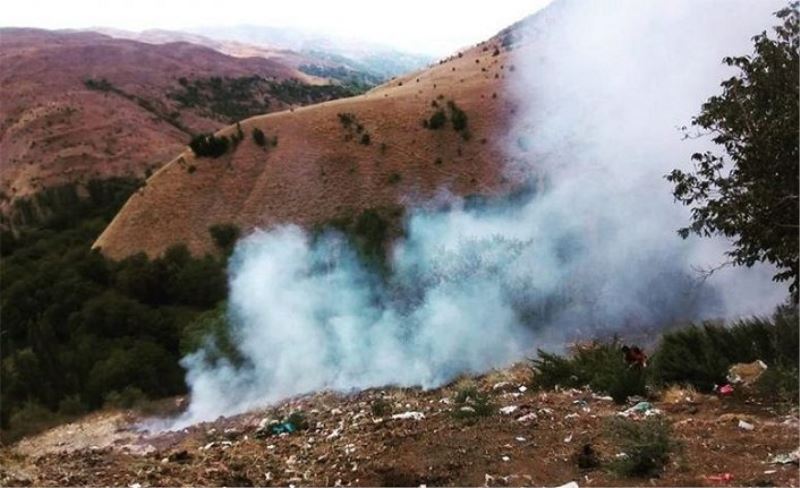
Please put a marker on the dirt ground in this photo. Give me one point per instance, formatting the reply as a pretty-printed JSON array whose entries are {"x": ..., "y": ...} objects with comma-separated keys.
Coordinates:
[{"x": 347, "y": 444}]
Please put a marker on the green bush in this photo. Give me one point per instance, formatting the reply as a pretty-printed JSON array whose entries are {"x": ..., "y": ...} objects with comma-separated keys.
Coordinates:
[
  {"x": 71, "y": 405},
  {"x": 601, "y": 367},
  {"x": 380, "y": 407},
  {"x": 647, "y": 445},
  {"x": 365, "y": 139},
  {"x": 258, "y": 137},
  {"x": 209, "y": 145},
  {"x": 457, "y": 116},
  {"x": 129, "y": 397},
  {"x": 701, "y": 356},
  {"x": 470, "y": 404},
  {"x": 224, "y": 235},
  {"x": 437, "y": 120}
]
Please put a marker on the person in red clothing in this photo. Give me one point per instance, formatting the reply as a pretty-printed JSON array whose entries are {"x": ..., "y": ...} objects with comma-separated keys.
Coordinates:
[{"x": 634, "y": 356}]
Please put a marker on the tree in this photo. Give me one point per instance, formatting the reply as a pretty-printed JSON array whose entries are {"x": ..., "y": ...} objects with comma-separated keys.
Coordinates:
[
  {"x": 749, "y": 192},
  {"x": 259, "y": 137}
]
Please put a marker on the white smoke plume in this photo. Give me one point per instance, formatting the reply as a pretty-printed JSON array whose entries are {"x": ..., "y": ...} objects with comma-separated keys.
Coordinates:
[{"x": 593, "y": 249}]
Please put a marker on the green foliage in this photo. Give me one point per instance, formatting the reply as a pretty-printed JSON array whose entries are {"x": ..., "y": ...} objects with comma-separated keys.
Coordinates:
[
  {"x": 77, "y": 326},
  {"x": 701, "y": 356},
  {"x": 365, "y": 139},
  {"x": 751, "y": 191},
  {"x": 601, "y": 367},
  {"x": 129, "y": 397},
  {"x": 457, "y": 116},
  {"x": 395, "y": 178},
  {"x": 224, "y": 235},
  {"x": 209, "y": 145},
  {"x": 258, "y": 137},
  {"x": 437, "y": 120},
  {"x": 238, "y": 98},
  {"x": 380, "y": 407},
  {"x": 346, "y": 119},
  {"x": 211, "y": 331},
  {"x": 298, "y": 419},
  {"x": 647, "y": 445},
  {"x": 469, "y": 404}
]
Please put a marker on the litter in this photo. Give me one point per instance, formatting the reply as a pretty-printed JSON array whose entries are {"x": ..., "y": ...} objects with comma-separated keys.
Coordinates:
[
  {"x": 520, "y": 439},
  {"x": 523, "y": 389},
  {"x": 506, "y": 459},
  {"x": 571, "y": 484},
  {"x": 467, "y": 409},
  {"x": 725, "y": 390},
  {"x": 509, "y": 409},
  {"x": 642, "y": 408},
  {"x": 770, "y": 471},
  {"x": 788, "y": 458},
  {"x": 527, "y": 417},
  {"x": 282, "y": 428},
  {"x": 746, "y": 373},
  {"x": 408, "y": 416},
  {"x": 568, "y": 439},
  {"x": 571, "y": 416},
  {"x": 720, "y": 478},
  {"x": 746, "y": 425}
]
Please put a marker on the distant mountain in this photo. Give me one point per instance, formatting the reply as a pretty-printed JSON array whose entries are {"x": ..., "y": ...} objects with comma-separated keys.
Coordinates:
[
  {"x": 379, "y": 60},
  {"x": 82, "y": 105}
]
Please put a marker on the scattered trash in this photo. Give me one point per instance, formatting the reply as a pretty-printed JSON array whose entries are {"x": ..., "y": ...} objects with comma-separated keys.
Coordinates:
[
  {"x": 520, "y": 439},
  {"x": 640, "y": 409},
  {"x": 770, "y": 471},
  {"x": 506, "y": 459},
  {"x": 746, "y": 425},
  {"x": 746, "y": 373},
  {"x": 467, "y": 409},
  {"x": 568, "y": 439},
  {"x": 408, "y": 416},
  {"x": 523, "y": 389},
  {"x": 503, "y": 385},
  {"x": 720, "y": 478},
  {"x": 571, "y": 416},
  {"x": 725, "y": 390},
  {"x": 282, "y": 428},
  {"x": 527, "y": 417},
  {"x": 509, "y": 409},
  {"x": 571, "y": 484},
  {"x": 788, "y": 458},
  {"x": 604, "y": 398}
]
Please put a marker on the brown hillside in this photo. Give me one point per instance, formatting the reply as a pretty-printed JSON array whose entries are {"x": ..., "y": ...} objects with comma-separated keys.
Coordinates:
[
  {"x": 315, "y": 174},
  {"x": 54, "y": 129}
]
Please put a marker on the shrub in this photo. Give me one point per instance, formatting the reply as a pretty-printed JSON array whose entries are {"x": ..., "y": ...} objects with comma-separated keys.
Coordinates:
[
  {"x": 209, "y": 145},
  {"x": 380, "y": 407},
  {"x": 71, "y": 405},
  {"x": 647, "y": 445},
  {"x": 457, "y": 116},
  {"x": 298, "y": 418},
  {"x": 779, "y": 383},
  {"x": 365, "y": 139},
  {"x": 701, "y": 356},
  {"x": 129, "y": 397},
  {"x": 470, "y": 404},
  {"x": 224, "y": 235},
  {"x": 346, "y": 119},
  {"x": 437, "y": 120},
  {"x": 601, "y": 367},
  {"x": 395, "y": 178},
  {"x": 258, "y": 137}
]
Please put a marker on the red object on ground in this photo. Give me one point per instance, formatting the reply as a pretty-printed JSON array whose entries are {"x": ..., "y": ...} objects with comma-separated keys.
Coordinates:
[
  {"x": 724, "y": 477},
  {"x": 725, "y": 390}
]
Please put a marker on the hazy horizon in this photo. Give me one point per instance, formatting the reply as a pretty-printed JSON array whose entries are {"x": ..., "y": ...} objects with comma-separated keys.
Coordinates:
[{"x": 434, "y": 29}]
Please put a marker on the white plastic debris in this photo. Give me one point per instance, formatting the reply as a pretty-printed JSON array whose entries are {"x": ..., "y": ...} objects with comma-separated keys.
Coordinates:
[
  {"x": 527, "y": 417},
  {"x": 523, "y": 389},
  {"x": 509, "y": 409},
  {"x": 520, "y": 439},
  {"x": 467, "y": 408},
  {"x": 408, "y": 416},
  {"x": 746, "y": 425},
  {"x": 568, "y": 439},
  {"x": 571, "y": 484},
  {"x": 571, "y": 416},
  {"x": 506, "y": 459},
  {"x": 502, "y": 384}
]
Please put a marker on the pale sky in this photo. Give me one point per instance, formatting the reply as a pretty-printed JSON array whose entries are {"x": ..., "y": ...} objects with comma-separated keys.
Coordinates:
[{"x": 424, "y": 26}]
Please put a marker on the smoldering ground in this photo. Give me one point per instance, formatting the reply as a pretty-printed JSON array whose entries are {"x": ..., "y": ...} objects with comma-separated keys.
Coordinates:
[{"x": 606, "y": 84}]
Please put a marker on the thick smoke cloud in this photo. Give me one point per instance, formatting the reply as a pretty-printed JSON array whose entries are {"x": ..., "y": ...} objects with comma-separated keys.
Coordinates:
[{"x": 591, "y": 249}]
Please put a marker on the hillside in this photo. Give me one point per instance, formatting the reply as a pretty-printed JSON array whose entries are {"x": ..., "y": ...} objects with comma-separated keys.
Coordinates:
[
  {"x": 337, "y": 158},
  {"x": 80, "y": 105}
]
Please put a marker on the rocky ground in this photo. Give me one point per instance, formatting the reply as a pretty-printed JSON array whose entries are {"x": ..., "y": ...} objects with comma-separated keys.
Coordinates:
[{"x": 410, "y": 437}]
